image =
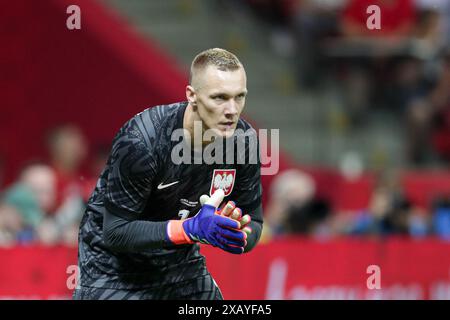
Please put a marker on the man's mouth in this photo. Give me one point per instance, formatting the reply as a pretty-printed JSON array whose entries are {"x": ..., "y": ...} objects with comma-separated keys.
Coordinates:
[{"x": 227, "y": 124}]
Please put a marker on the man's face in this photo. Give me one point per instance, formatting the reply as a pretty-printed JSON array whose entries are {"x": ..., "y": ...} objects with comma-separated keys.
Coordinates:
[
  {"x": 70, "y": 148},
  {"x": 220, "y": 98}
]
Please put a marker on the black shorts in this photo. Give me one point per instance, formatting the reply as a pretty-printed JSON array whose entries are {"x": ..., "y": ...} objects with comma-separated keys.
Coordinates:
[{"x": 202, "y": 288}]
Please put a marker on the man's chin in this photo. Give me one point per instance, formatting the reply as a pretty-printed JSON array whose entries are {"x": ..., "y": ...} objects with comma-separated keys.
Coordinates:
[{"x": 224, "y": 133}]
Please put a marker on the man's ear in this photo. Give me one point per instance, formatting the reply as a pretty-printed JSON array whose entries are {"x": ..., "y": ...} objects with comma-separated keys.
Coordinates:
[{"x": 191, "y": 95}]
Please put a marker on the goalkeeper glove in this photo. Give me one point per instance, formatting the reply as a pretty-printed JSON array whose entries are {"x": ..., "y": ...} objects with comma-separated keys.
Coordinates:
[
  {"x": 208, "y": 227},
  {"x": 230, "y": 210}
]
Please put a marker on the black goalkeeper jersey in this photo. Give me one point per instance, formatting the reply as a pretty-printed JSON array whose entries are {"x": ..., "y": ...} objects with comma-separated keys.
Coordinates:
[{"x": 141, "y": 182}]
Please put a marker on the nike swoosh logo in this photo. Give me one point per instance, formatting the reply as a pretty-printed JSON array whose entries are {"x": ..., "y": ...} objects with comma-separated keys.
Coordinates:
[{"x": 163, "y": 186}]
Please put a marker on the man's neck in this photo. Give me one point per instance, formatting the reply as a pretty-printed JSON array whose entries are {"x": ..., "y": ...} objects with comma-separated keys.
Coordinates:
[{"x": 189, "y": 119}]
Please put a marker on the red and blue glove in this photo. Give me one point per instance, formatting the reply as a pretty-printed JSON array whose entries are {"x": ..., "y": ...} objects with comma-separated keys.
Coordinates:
[
  {"x": 235, "y": 213},
  {"x": 209, "y": 227}
]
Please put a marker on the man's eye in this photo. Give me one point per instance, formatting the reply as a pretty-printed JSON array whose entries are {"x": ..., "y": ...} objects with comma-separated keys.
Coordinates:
[
  {"x": 241, "y": 96},
  {"x": 219, "y": 98}
]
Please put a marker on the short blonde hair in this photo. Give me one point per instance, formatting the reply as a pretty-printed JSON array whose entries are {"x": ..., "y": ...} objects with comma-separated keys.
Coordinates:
[{"x": 220, "y": 58}]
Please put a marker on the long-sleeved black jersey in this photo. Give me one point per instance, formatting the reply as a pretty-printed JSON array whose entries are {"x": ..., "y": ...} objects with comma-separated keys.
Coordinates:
[{"x": 122, "y": 237}]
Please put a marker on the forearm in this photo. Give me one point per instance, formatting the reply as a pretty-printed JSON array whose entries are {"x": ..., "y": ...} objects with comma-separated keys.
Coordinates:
[
  {"x": 122, "y": 235},
  {"x": 253, "y": 238},
  {"x": 256, "y": 224}
]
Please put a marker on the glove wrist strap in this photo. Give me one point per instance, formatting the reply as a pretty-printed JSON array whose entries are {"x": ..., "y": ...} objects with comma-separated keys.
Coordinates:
[{"x": 176, "y": 233}]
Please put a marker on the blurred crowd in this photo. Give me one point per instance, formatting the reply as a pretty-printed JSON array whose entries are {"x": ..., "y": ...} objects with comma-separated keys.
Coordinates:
[
  {"x": 295, "y": 207},
  {"x": 403, "y": 67},
  {"x": 46, "y": 202}
]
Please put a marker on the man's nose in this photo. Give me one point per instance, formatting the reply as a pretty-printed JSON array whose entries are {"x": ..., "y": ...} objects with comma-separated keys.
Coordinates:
[{"x": 231, "y": 108}]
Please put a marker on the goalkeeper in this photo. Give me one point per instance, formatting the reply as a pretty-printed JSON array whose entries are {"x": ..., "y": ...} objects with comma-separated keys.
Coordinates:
[{"x": 139, "y": 235}]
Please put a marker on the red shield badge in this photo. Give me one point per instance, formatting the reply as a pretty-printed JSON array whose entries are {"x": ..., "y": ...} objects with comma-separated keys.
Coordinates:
[{"x": 223, "y": 179}]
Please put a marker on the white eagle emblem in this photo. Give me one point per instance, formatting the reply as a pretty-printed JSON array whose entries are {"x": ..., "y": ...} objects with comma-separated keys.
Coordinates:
[{"x": 223, "y": 179}]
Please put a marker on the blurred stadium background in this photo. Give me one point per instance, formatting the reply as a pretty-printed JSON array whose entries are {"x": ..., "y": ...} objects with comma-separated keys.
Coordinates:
[{"x": 364, "y": 119}]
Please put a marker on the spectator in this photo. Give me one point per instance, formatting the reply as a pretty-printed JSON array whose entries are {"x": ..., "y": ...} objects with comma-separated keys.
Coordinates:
[
  {"x": 290, "y": 188},
  {"x": 12, "y": 228},
  {"x": 26, "y": 203},
  {"x": 68, "y": 149},
  {"x": 275, "y": 12},
  {"x": 33, "y": 199},
  {"x": 436, "y": 22},
  {"x": 309, "y": 219},
  {"x": 33, "y": 195},
  {"x": 66, "y": 219},
  {"x": 441, "y": 218},
  {"x": 428, "y": 120},
  {"x": 380, "y": 69},
  {"x": 96, "y": 166},
  {"x": 47, "y": 232},
  {"x": 313, "y": 22},
  {"x": 389, "y": 214}
]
